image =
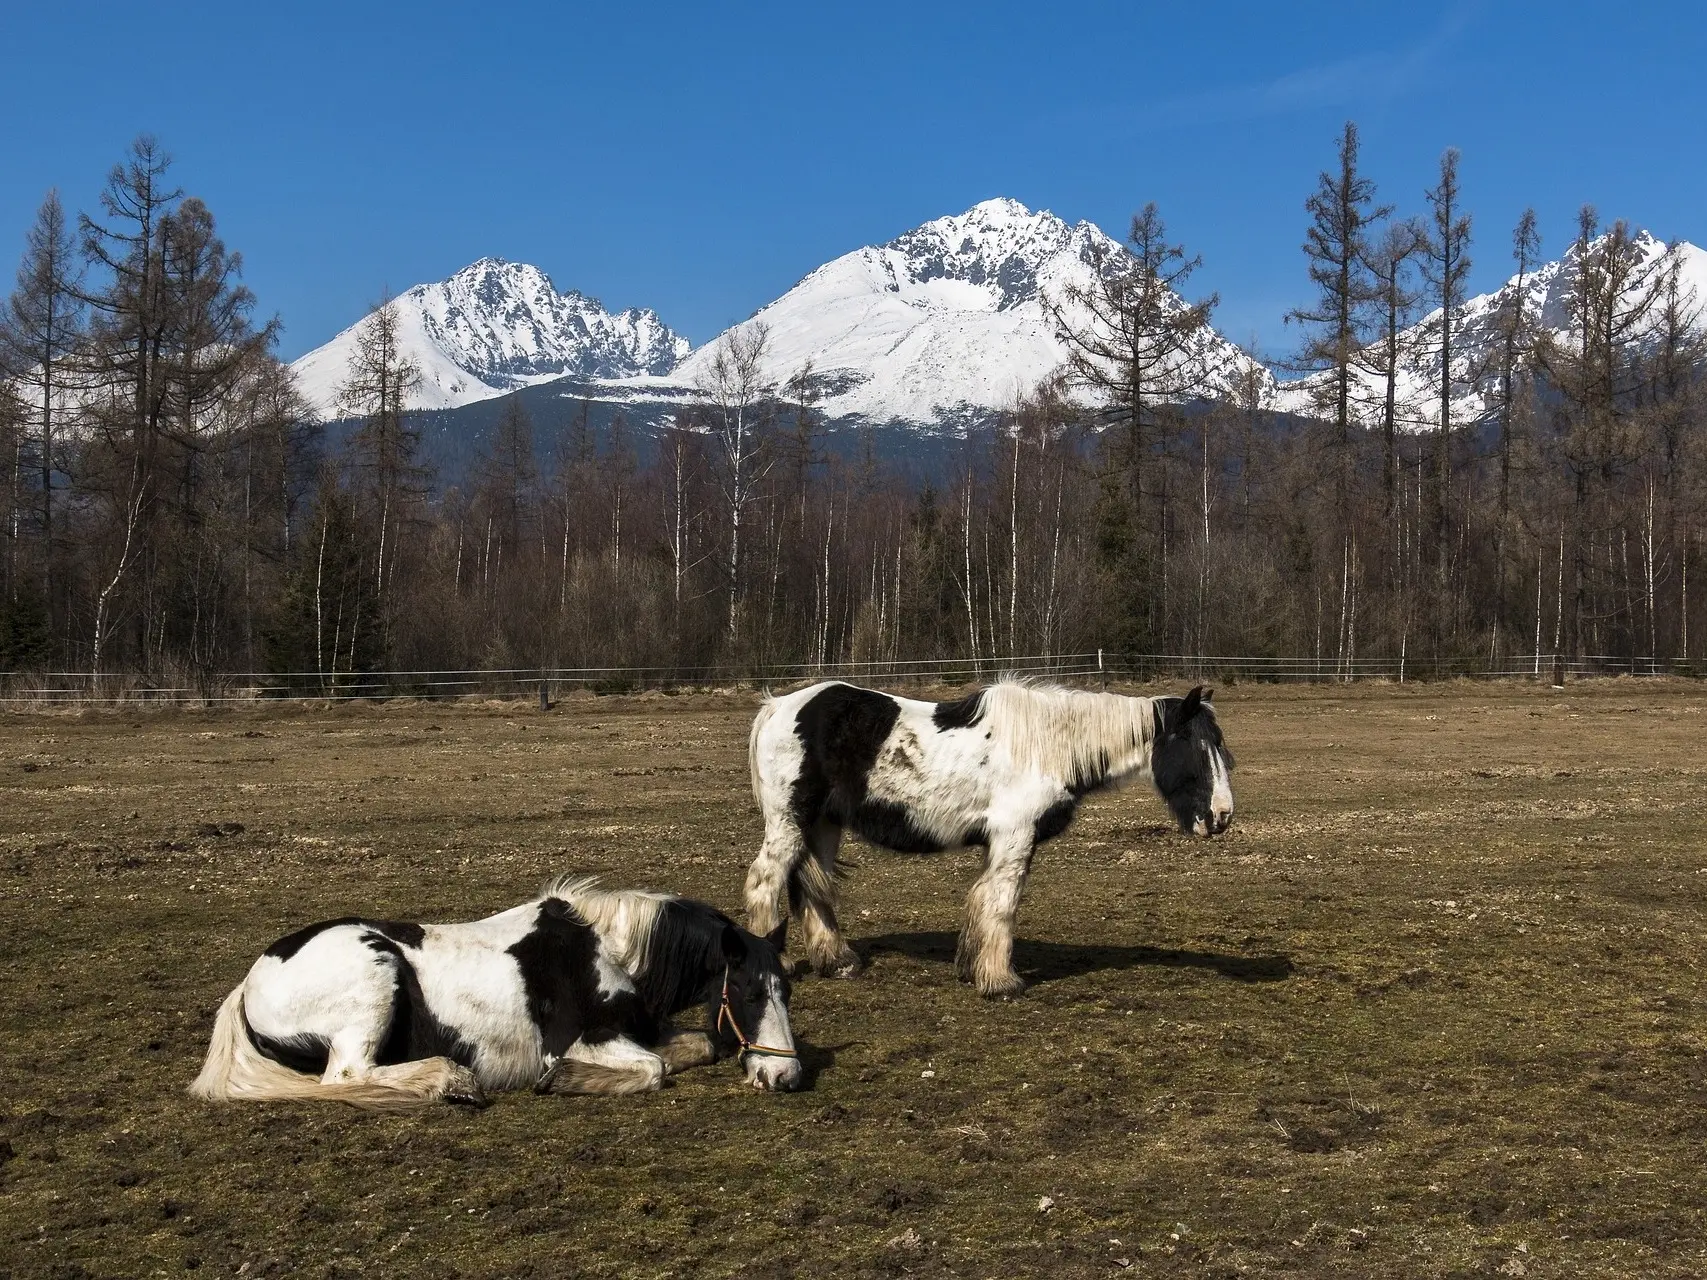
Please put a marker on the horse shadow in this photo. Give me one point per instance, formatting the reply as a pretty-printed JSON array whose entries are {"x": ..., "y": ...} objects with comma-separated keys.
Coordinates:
[
  {"x": 1045, "y": 962},
  {"x": 815, "y": 1059}
]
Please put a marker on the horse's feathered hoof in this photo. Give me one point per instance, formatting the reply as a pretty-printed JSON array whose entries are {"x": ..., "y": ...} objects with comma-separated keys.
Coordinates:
[
  {"x": 964, "y": 969},
  {"x": 1006, "y": 989},
  {"x": 463, "y": 1090},
  {"x": 846, "y": 964}
]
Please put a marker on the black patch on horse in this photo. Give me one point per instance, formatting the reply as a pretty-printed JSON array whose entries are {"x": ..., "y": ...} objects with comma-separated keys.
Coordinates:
[
  {"x": 410, "y": 935},
  {"x": 305, "y": 1053},
  {"x": 415, "y": 1033},
  {"x": 684, "y": 961},
  {"x": 559, "y": 965},
  {"x": 291, "y": 943},
  {"x": 962, "y": 713},
  {"x": 842, "y": 729},
  {"x": 1053, "y": 820},
  {"x": 890, "y": 825}
]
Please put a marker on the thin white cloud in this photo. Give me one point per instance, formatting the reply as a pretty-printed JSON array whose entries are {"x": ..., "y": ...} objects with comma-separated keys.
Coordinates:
[{"x": 1366, "y": 81}]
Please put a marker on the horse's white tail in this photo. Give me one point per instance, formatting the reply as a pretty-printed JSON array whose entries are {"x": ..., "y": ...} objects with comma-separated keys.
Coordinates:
[
  {"x": 236, "y": 1071},
  {"x": 767, "y": 709}
]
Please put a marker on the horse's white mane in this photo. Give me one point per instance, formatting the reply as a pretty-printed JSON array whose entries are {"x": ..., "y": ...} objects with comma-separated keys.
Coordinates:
[
  {"x": 1070, "y": 733},
  {"x": 624, "y": 918}
]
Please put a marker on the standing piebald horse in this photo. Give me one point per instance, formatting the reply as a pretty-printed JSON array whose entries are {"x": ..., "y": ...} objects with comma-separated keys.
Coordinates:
[
  {"x": 568, "y": 993},
  {"x": 1004, "y": 768}
]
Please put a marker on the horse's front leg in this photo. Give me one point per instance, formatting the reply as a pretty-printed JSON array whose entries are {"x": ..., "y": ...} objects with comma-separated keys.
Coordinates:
[
  {"x": 769, "y": 878},
  {"x": 683, "y": 1050},
  {"x": 985, "y": 955}
]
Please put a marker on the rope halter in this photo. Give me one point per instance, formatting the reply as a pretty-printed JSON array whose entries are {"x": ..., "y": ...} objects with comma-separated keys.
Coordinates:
[{"x": 726, "y": 1012}]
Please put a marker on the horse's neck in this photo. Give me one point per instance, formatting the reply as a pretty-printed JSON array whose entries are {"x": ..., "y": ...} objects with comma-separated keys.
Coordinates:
[
  {"x": 623, "y": 921},
  {"x": 1129, "y": 756},
  {"x": 669, "y": 954},
  {"x": 1089, "y": 738}
]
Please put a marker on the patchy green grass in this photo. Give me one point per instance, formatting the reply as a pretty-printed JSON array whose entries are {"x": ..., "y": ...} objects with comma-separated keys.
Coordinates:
[{"x": 1433, "y": 1008}]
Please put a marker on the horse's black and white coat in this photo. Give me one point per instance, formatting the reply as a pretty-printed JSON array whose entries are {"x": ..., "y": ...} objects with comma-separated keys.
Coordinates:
[
  {"x": 571, "y": 992},
  {"x": 1004, "y": 768}
]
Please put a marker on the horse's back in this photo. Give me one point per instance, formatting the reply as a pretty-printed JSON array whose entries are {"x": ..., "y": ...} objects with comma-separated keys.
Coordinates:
[{"x": 907, "y": 774}]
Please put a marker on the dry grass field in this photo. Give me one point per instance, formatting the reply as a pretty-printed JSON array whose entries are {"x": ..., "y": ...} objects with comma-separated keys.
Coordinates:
[{"x": 1436, "y": 1006}]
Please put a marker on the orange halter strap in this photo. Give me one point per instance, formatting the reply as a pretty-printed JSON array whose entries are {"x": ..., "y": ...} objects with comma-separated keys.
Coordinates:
[{"x": 725, "y": 1012}]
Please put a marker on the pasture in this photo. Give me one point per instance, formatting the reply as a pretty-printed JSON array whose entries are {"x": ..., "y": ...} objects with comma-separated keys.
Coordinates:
[{"x": 1436, "y": 1006}]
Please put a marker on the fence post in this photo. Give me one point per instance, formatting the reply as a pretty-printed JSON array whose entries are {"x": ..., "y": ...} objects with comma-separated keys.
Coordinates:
[
  {"x": 544, "y": 695},
  {"x": 1102, "y": 672},
  {"x": 1558, "y": 671}
]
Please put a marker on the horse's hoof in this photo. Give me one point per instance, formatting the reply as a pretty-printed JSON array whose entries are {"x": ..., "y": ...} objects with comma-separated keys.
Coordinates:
[
  {"x": 1002, "y": 988},
  {"x": 465, "y": 1091},
  {"x": 845, "y": 965}
]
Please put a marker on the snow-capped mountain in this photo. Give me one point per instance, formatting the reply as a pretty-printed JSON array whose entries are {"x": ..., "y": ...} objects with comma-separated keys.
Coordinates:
[
  {"x": 495, "y": 326},
  {"x": 944, "y": 321},
  {"x": 1546, "y": 301}
]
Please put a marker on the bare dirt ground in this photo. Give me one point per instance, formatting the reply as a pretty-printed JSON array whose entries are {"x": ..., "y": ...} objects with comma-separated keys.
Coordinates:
[{"x": 1433, "y": 1008}]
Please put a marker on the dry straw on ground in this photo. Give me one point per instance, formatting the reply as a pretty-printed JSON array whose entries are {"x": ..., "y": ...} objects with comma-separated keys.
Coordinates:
[{"x": 1434, "y": 1008}]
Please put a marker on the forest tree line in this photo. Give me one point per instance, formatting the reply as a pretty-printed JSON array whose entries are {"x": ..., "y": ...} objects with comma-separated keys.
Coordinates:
[{"x": 170, "y": 504}]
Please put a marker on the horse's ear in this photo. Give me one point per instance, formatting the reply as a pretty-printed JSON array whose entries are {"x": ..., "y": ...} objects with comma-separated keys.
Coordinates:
[
  {"x": 734, "y": 947},
  {"x": 778, "y": 937},
  {"x": 1190, "y": 707},
  {"x": 1208, "y": 694}
]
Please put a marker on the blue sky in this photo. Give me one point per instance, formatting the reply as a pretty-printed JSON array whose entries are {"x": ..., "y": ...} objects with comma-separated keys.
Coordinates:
[{"x": 700, "y": 158}]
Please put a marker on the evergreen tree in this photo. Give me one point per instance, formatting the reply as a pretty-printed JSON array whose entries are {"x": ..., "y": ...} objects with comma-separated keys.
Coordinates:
[
  {"x": 1138, "y": 348},
  {"x": 40, "y": 332},
  {"x": 1448, "y": 268},
  {"x": 1513, "y": 326},
  {"x": 1385, "y": 354},
  {"x": 1342, "y": 211},
  {"x": 389, "y": 482}
]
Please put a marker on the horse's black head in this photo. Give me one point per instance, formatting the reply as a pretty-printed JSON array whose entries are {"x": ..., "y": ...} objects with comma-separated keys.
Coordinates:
[
  {"x": 1192, "y": 766},
  {"x": 752, "y": 1019}
]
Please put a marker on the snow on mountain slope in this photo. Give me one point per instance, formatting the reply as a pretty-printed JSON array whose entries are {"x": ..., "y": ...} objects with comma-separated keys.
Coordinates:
[
  {"x": 945, "y": 319},
  {"x": 495, "y": 326},
  {"x": 1546, "y": 300}
]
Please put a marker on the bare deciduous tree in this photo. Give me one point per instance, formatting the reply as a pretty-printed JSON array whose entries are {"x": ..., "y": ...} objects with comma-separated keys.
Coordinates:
[{"x": 734, "y": 385}]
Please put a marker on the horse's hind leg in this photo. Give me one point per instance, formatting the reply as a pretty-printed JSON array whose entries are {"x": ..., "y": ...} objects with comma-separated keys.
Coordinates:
[
  {"x": 611, "y": 1067},
  {"x": 352, "y": 1077},
  {"x": 813, "y": 889},
  {"x": 414, "y": 1083},
  {"x": 985, "y": 955}
]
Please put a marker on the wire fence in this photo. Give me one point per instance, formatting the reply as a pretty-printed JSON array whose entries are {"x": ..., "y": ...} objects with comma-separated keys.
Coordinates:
[{"x": 1098, "y": 669}]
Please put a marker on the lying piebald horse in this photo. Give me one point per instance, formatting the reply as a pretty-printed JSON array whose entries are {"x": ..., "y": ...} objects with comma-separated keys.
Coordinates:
[
  {"x": 1004, "y": 768},
  {"x": 569, "y": 993}
]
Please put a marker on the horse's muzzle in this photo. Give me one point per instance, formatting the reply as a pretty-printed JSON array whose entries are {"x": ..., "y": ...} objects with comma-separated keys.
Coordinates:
[{"x": 773, "y": 1074}]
